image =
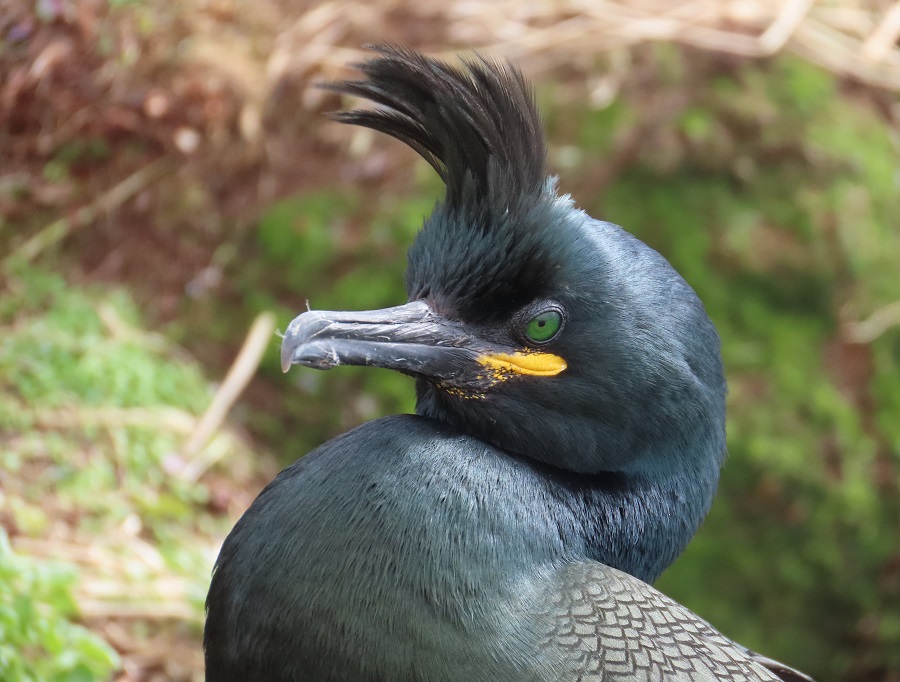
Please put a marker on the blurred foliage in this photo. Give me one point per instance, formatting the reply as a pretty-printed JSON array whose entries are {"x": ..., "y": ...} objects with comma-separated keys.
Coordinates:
[
  {"x": 93, "y": 411},
  {"x": 38, "y": 641},
  {"x": 58, "y": 354}
]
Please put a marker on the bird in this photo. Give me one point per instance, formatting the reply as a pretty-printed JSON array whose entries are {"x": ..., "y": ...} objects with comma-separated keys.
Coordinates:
[{"x": 566, "y": 444}]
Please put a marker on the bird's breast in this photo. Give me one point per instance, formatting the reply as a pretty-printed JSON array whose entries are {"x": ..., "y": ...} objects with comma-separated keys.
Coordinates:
[{"x": 396, "y": 539}]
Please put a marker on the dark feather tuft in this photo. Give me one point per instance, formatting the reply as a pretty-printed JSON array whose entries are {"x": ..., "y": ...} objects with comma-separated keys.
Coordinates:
[{"x": 477, "y": 126}]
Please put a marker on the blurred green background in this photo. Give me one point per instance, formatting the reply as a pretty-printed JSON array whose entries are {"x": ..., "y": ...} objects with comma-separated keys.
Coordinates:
[{"x": 167, "y": 176}]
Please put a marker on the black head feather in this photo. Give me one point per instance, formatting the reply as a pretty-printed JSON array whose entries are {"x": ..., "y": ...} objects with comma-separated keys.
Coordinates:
[
  {"x": 477, "y": 126},
  {"x": 484, "y": 250}
]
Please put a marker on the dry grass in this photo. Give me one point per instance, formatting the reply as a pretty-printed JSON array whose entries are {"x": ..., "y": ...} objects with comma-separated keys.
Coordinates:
[{"x": 852, "y": 38}]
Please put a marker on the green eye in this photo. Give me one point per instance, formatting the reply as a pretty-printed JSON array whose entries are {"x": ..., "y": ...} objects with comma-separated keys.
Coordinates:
[{"x": 544, "y": 326}]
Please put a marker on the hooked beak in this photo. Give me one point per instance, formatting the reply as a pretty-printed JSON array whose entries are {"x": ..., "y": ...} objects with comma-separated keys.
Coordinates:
[{"x": 412, "y": 339}]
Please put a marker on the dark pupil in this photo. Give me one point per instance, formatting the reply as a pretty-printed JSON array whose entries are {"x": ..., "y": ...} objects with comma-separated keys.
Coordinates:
[{"x": 542, "y": 323}]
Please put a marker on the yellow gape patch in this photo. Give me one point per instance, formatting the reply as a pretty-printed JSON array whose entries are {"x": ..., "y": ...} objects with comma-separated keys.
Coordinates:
[{"x": 535, "y": 364}]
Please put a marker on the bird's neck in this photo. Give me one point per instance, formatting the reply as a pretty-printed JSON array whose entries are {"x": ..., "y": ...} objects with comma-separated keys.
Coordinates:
[{"x": 637, "y": 522}]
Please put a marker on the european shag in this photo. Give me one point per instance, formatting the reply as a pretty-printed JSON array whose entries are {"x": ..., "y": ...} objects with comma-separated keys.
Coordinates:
[{"x": 568, "y": 435}]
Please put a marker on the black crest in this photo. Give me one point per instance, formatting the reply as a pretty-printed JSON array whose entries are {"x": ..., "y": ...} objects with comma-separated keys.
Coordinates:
[{"x": 477, "y": 126}]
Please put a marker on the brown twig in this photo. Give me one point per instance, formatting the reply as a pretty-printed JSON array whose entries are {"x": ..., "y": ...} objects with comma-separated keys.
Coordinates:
[
  {"x": 884, "y": 38},
  {"x": 242, "y": 370},
  {"x": 876, "y": 324},
  {"x": 170, "y": 418}
]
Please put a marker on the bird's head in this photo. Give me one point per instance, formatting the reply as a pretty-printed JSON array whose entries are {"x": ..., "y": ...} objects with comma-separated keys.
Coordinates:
[{"x": 530, "y": 325}]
